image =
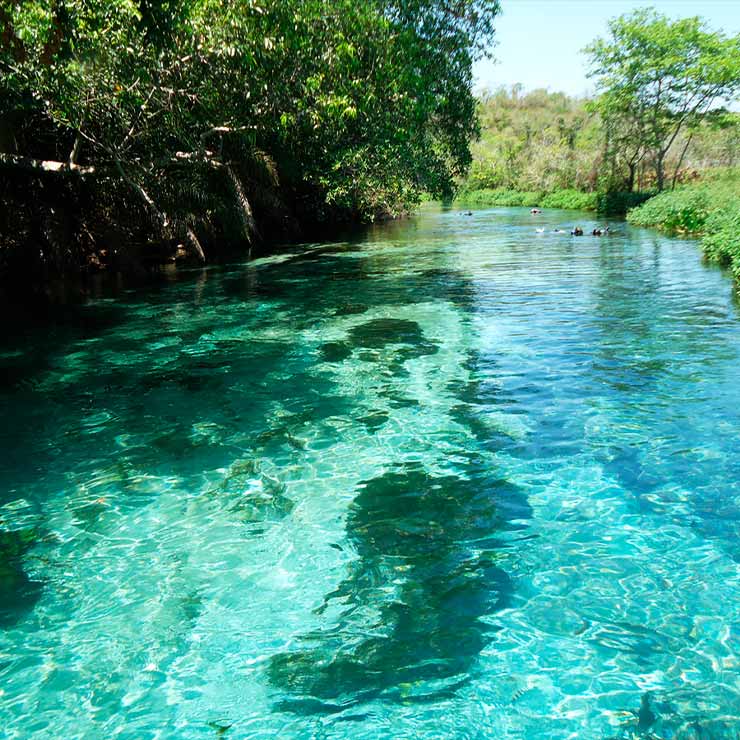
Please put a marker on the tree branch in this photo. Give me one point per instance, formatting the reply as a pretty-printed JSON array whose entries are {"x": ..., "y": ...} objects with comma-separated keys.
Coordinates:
[
  {"x": 160, "y": 218},
  {"x": 39, "y": 166}
]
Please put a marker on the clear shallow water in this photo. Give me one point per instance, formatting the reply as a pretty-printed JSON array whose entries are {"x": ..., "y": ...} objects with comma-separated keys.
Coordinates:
[{"x": 454, "y": 479}]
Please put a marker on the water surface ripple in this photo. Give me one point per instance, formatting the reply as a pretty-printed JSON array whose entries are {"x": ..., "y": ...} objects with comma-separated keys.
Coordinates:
[{"x": 450, "y": 479}]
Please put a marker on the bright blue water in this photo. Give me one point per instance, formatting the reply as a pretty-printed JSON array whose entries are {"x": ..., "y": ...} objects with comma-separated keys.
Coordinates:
[{"x": 454, "y": 479}]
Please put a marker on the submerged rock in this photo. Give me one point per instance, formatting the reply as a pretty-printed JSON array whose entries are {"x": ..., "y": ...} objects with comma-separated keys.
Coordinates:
[
  {"x": 382, "y": 332},
  {"x": 350, "y": 309},
  {"x": 374, "y": 420},
  {"x": 335, "y": 351},
  {"x": 252, "y": 495}
]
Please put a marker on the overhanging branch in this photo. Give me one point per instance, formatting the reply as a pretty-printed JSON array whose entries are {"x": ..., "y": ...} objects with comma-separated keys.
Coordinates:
[{"x": 42, "y": 166}]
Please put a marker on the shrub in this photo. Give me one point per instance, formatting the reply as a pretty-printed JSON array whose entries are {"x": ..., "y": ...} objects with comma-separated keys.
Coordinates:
[
  {"x": 617, "y": 203},
  {"x": 722, "y": 241},
  {"x": 500, "y": 197},
  {"x": 710, "y": 209},
  {"x": 483, "y": 175},
  {"x": 570, "y": 199},
  {"x": 573, "y": 200},
  {"x": 684, "y": 210}
]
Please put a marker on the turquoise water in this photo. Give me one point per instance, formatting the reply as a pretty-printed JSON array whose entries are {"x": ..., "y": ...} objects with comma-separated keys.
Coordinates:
[{"x": 452, "y": 479}]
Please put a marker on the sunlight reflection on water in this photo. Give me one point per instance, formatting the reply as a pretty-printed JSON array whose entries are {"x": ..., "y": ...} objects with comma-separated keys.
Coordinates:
[{"x": 451, "y": 479}]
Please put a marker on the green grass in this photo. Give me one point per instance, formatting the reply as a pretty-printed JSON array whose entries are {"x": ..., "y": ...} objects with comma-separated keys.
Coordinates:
[
  {"x": 710, "y": 209},
  {"x": 572, "y": 200},
  {"x": 567, "y": 199}
]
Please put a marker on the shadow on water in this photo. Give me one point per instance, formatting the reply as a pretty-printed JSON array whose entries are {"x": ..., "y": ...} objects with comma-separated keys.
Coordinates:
[
  {"x": 427, "y": 572},
  {"x": 409, "y": 620},
  {"x": 18, "y": 593}
]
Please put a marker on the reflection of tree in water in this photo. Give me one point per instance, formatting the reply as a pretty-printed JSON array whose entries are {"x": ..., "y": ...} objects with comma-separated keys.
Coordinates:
[{"x": 427, "y": 573}]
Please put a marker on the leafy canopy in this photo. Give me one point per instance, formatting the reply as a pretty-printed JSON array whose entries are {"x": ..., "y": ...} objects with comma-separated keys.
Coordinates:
[
  {"x": 657, "y": 76},
  {"x": 363, "y": 104}
]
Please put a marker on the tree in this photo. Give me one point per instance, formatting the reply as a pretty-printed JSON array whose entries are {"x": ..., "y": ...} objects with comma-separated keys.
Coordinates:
[
  {"x": 624, "y": 139},
  {"x": 355, "y": 106},
  {"x": 534, "y": 141},
  {"x": 658, "y": 77}
]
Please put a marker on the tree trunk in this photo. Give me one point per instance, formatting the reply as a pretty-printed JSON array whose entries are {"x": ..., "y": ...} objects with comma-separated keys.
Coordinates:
[
  {"x": 75, "y": 153},
  {"x": 160, "y": 218},
  {"x": 660, "y": 171},
  {"x": 194, "y": 245},
  {"x": 246, "y": 217},
  {"x": 42, "y": 166},
  {"x": 680, "y": 160},
  {"x": 631, "y": 178}
]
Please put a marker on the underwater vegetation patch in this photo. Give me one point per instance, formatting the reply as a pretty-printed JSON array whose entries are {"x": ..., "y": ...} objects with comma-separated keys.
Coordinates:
[
  {"x": 252, "y": 495},
  {"x": 382, "y": 332},
  {"x": 18, "y": 592},
  {"x": 427, "y": 569}
]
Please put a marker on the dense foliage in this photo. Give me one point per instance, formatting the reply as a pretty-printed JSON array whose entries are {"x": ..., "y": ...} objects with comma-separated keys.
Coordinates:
[
  {"x": 657, "y": 79},
  {"x": 541, "y": 145},
  {"x": 565, "y": 198},
  {"x": 346, "y": 108},
  {"x": 537, "y": 141},
  {"x": 710, "y": 209},
  {"x": 658, "y": 121}
]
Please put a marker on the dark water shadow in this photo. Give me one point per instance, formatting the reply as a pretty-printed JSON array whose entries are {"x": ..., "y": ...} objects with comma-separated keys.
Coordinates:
[
  {"x": 427, "y": 572},
  {"x": 18, "y": 592},
  {"x": 412, "y": 609}
]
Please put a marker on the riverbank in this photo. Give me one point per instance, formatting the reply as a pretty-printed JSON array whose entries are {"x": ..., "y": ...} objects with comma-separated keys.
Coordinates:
[
  {"x": 709, "y": 209},
  {"x": 132, "y": 138},
  {"x": 569, "y": 199},
  {"x": 63, "y": 232}
]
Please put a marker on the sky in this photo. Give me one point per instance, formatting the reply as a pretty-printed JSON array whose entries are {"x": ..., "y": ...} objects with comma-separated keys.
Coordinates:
[{"x": 539, "y": 41}]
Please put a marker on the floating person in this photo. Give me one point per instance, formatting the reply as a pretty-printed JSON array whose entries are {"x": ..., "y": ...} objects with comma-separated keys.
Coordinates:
[
  {"x": 596, "y": 232},
  {"x": 577, "y": 231},
  {"x": 468, "y": 213},
  {"x": 535, "y": 211},
  {"x": 541, "y": 230},
  {"x": 558, "y": 231}
]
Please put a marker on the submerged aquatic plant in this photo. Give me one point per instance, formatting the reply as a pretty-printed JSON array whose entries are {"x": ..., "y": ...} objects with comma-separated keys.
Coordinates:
[{"x": 425, "y": 576}]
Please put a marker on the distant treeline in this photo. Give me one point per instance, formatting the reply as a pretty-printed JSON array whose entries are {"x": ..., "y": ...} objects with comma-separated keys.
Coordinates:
[
  {"x": 538, "y": 143},
  {"x": 661, "y": 116}
]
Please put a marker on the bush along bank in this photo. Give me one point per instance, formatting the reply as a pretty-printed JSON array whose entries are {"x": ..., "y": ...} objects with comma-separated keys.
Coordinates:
[
  {"x": 566, "y": 199},
  {"x": 710, "y": 210},
  {"x": 612, "y": 203},
  {"x": 618, "y": 203}
]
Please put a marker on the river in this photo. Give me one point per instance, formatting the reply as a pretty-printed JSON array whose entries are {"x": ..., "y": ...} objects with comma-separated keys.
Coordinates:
[{"x": 452, "y": 478}]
